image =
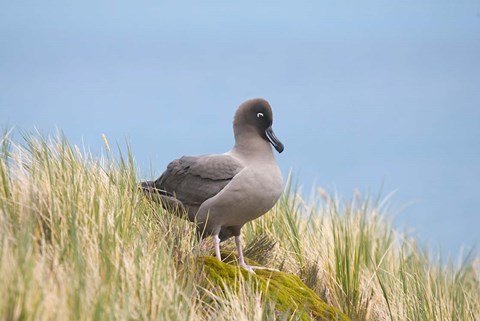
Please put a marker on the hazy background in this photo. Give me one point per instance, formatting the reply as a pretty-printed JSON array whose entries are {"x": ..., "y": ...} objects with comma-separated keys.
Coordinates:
[{"x": 365, "y": 93}]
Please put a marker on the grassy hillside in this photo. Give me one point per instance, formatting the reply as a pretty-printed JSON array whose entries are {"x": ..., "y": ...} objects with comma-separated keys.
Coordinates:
[{"x": 78, "y": 241}]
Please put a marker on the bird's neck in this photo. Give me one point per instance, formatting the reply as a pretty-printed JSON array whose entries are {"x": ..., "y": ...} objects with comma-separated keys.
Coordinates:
[{"x": 252, "y": 148}]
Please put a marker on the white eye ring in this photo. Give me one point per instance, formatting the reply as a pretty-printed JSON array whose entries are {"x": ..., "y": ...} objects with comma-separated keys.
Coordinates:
[{"x": 259, "y": 114}]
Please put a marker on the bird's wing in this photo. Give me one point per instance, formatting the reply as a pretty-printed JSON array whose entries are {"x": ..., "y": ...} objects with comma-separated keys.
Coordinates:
[{"x": 194, "y": 179}]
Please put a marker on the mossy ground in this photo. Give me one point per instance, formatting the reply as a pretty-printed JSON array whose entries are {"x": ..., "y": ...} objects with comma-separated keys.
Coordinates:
[{"x": 288, "y": 293}]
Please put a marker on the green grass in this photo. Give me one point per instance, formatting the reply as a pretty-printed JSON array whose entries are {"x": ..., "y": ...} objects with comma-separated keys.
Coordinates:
[{"x": 78, "y": 241}]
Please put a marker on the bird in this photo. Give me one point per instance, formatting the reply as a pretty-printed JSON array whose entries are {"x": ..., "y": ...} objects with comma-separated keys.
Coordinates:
[{"x": 222, "y": 192}]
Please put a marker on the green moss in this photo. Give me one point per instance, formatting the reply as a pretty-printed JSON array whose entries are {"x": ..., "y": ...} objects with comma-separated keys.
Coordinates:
[{"x": 287, "y": 291}]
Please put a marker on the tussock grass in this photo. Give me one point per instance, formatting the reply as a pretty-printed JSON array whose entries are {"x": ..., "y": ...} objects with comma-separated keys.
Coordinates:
[{"x": 78, "y": 241}]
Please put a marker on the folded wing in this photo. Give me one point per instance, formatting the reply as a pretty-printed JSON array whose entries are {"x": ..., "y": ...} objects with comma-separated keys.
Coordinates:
[{"x": 194, "y": 179}]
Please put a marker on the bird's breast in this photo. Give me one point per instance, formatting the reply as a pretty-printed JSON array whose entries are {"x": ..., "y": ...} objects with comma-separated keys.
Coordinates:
[{"x": 260, "y": 189}]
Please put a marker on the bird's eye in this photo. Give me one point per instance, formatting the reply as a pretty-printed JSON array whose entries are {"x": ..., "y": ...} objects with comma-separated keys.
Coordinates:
[{"x": 259, "y": 115}]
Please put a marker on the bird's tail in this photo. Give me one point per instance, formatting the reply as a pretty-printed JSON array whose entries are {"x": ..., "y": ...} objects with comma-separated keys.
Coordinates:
[
  {"x": 166, "y": 199},
  {"x": 149, "y": 187}
]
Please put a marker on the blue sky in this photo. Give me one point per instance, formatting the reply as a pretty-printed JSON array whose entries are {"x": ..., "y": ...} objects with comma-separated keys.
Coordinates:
[{"x": 365, "y": 93}]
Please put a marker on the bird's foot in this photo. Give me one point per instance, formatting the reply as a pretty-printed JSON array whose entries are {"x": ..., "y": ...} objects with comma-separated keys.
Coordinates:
[{"x": 252, "y": 268}]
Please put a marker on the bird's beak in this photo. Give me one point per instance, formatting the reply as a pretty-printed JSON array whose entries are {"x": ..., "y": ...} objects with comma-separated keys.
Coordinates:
[{"x": 276, "y": 143}]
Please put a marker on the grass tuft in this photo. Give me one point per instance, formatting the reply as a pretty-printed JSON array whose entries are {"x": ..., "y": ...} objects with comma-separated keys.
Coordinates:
[{"x": 78, "y": 241}]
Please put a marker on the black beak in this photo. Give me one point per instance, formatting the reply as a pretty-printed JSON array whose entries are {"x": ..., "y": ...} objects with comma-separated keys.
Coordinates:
[{"x": 276, "y": 143}]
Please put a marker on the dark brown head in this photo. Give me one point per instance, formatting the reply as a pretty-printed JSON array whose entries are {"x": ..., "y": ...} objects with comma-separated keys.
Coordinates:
[{"x": 255, "y": 117}]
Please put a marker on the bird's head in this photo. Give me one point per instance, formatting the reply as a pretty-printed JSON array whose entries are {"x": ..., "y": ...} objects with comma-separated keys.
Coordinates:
[{"x": 255, "y": 116}]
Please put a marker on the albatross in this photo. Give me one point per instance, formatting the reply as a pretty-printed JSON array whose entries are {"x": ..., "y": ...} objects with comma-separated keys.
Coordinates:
[{"x": 222, "y": 192}]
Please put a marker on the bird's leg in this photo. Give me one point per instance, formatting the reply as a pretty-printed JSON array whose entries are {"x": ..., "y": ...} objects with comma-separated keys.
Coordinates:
[
  {"x": 241, "y": 259},
  {"x": 216, "y": 242}
]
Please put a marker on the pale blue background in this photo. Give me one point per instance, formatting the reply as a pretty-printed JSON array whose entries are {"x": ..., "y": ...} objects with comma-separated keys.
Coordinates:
[{"x": 364, "y": 93}]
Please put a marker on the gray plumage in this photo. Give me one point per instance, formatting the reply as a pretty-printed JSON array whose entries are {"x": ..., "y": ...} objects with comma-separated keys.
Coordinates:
[
  {"x": 220, "y": 193},
  {"x": 194, "y": 179}
]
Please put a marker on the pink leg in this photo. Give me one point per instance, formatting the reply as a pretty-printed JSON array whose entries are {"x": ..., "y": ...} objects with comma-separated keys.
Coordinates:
[
  {"x": 216, "y": 242},
  {"x": 241, "y": 259}
]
